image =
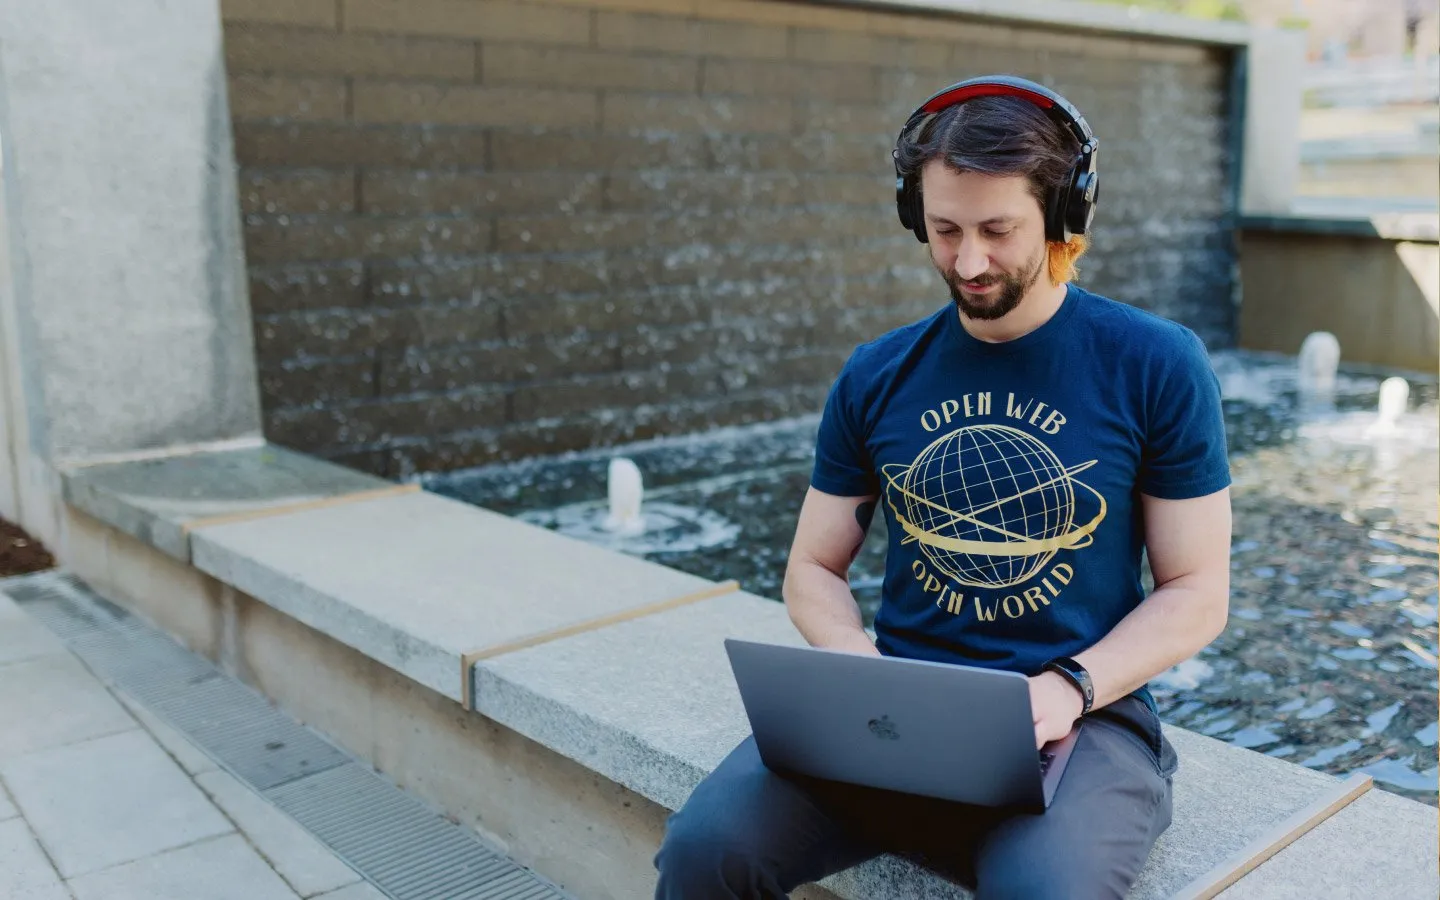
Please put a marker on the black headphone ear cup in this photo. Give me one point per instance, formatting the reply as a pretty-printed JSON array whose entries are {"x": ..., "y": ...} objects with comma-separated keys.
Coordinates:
[
  {"x": 1057, "y": 200},
  {"x": 917, "y": 212},
  {"x": 1083, "y": 199},
  {"x": 902, "y": 202},
  {"x": 1084, "y": 193}
]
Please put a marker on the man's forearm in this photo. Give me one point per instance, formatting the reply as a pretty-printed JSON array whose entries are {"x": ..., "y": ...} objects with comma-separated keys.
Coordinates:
[
  {"x": 824, "y": 610},
  {"x": 1171, "y": 625}
]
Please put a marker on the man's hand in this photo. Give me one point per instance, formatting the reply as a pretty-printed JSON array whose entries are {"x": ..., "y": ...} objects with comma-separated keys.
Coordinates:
[{"x": 1055, "y": 704}]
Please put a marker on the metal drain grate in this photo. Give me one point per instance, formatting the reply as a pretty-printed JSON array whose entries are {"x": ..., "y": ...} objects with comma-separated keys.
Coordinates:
[{"x": 395, "y": 841}]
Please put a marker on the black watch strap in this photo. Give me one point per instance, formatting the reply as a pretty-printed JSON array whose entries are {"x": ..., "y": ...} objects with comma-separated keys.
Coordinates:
[{"x": 1076, "y": 674}]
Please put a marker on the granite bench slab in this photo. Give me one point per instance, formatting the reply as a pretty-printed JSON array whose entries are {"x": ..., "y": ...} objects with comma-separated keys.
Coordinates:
[
  {"x": 419, "y": 582},
  {"x": 158, "y": 501},
  {"x": 651, "y": 704}
]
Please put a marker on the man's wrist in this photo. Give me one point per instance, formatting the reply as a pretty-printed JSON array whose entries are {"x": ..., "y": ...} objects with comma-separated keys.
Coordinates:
[
  {"x": 848, "y": 640},
  {"x": 1077, "y": 677}
]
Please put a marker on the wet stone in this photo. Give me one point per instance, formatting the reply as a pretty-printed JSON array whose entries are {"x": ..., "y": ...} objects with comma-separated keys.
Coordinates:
[{"x": 155, "y": 500}]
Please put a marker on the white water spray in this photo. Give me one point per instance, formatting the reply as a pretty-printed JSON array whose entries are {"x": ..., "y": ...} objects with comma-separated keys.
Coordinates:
[
  {"x": 627, "y": 494},
  {"x": 1317, "y": 364}
]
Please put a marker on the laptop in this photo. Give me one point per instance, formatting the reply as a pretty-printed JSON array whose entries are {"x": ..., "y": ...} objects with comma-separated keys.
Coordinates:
[{"x": 932, "y": 729}]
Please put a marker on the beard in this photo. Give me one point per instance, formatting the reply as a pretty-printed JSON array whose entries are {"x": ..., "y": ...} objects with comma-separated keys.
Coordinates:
[{"x": 1013, "y": 287}]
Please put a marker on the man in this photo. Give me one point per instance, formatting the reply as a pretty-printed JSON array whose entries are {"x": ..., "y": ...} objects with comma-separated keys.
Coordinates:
[{"x": 1024, "y": 444}]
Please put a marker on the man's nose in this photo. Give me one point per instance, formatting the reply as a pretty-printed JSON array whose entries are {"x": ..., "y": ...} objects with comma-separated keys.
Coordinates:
[{"x": 971, "y": 260}]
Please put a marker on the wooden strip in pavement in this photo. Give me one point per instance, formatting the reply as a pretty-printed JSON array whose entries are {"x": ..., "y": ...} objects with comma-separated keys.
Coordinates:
[
  {"x": 1249, "y": 857},
  {"x": 468, "y": 661},
  {"x": 280, "y": 509}
]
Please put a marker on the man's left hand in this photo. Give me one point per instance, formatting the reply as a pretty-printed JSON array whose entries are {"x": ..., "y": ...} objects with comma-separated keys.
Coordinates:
[{"x": 1055, "y": 704}]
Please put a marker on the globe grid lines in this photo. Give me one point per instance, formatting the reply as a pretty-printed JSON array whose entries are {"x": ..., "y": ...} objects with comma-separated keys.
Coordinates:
[
  {"x": 1003, "y": 527},
  {"x": 952, "y": 536},
  {"x": 947, "y": 504},
  {"x": 1048, "y": 474},
  {"x": 1004, "y": 441}
]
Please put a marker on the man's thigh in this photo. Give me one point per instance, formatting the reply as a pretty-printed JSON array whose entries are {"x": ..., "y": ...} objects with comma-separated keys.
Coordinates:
[
  {"x": 749, "y": 832},
  {"x": 1112, "y": 804}
]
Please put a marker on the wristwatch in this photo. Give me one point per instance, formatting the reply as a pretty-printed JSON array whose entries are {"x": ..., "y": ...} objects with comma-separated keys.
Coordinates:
[{"x": 1074, "y": 673}]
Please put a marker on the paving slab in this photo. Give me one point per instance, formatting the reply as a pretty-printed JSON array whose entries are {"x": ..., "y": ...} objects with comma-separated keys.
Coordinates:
[
  {"x": 22, "y": 637},
  {"x": 418, "y": 581},
  {"x": 155, "y": 499},
  {"x": 307, "y": 865},
  {"x": 362, "y": 891},
  {"x": 7, "y": 809},
  {"x": 1225, "y": 797},
  {"x": 649, "y": 703},
  {"x": 652, "y": 705},
  {"x": 58, "y": 701},
  {"x": 190, "y": 757},
  {"x": 108, "y": 801},
  {"x": 222, "y": 869},
  {"x": 1353, "y": 854},
  {"x": 25, "y": 873}
]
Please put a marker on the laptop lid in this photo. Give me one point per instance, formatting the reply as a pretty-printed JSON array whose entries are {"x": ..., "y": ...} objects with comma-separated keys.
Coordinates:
[{"x": 938, "y": 730}]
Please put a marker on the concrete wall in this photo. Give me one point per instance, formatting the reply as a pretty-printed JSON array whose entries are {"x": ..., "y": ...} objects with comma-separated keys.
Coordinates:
[
  {"x": 15, "y": 492},
  {"x": 493, "y": 229},
  {"x": 124, "y": 308},
  {"x": 1380, "y": 296},
  {"x": 1274, "y": 74}
]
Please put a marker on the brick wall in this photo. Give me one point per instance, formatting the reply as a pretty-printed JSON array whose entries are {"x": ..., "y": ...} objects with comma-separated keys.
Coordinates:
[{"x": 482, "y": 229}]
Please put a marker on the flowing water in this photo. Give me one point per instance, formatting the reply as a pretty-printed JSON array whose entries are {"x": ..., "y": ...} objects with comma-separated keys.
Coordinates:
[{"x": 1329, "y": 658}]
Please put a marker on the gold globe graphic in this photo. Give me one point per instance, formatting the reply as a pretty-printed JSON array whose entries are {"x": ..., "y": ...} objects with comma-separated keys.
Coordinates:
[{"x": 990, "y": 505}]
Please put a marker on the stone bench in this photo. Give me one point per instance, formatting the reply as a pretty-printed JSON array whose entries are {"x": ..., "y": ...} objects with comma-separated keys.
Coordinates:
[{"x": 617, "y": 664}]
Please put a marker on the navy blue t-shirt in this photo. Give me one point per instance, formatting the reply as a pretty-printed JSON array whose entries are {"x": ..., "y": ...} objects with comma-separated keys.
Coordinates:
[{"x": 1010, "y": 473}]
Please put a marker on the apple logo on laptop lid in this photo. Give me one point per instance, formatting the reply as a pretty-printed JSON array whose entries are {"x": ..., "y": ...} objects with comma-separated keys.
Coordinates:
[{"x": 884, "y": 729}]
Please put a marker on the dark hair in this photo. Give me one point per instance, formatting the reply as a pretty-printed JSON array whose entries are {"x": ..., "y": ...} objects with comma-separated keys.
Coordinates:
[{"x": 994, "y": 136}]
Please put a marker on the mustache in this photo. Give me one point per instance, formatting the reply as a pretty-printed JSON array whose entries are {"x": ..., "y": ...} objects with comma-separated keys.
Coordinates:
[{"x": 980, "y": 282}]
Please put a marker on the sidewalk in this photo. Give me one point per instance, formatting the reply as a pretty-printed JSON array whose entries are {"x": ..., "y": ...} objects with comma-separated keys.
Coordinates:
[{"x": 101, "y": 801}]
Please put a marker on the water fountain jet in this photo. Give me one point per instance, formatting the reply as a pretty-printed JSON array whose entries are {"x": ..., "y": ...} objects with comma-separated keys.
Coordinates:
[
  {"x": 1317, "y": 364},
  {"x": 1394, "y": 400},
  {"x": 627, "y": 522},
  {"x": 626, "y": 495}
]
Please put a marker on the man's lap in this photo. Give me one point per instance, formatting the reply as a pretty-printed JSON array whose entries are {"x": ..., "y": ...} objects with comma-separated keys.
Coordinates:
[
  {"x": 1111, "y": 805},
  {"x": 743, "y": 812}
]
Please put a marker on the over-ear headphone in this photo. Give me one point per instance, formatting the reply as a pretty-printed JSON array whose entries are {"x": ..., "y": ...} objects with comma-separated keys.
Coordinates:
[{"x": 1069, "y": 208}]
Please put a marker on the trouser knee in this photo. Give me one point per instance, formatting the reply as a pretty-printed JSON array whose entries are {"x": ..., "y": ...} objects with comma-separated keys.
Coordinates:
[{"x": 703, "y": 867}]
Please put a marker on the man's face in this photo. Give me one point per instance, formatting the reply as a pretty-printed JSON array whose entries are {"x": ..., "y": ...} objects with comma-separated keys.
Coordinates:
[{"x": 987, "y": 237}]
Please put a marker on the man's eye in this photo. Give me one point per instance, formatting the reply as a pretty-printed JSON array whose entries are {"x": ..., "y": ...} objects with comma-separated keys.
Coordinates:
[
  {"x": 998, "y": 234},
  {"x": 946, "y": 231}
]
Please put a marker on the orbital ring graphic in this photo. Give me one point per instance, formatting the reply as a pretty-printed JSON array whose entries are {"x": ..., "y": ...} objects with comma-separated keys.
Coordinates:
[
  {"x": 990, "y": 504},
  {"x": 1016, "y": 544}
]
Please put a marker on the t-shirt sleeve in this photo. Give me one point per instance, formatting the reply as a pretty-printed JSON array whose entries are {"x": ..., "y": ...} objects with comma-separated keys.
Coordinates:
[
  {"x": 1185, "y": 454},
  {"x": 842, "y": 462}
]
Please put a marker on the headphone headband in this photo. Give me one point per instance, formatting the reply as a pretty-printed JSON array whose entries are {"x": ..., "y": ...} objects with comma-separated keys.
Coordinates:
[
  {"x": 1068, "y": 210},
  {"x": 1060, "y": 109}
]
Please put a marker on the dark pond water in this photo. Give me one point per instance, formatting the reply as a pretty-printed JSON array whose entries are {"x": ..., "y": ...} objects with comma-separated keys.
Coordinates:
[{"x": 1329, "y": 659}]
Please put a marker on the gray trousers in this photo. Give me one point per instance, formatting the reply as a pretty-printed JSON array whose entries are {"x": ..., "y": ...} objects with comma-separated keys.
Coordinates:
[{"x": 750, "y": 833}]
